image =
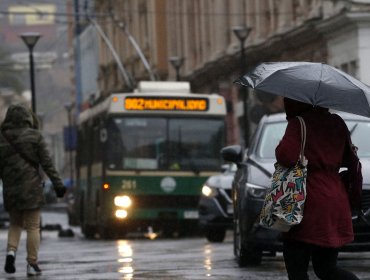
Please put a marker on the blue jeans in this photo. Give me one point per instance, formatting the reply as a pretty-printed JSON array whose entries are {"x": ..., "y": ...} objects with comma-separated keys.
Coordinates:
[{"x": 297, "y": 256}]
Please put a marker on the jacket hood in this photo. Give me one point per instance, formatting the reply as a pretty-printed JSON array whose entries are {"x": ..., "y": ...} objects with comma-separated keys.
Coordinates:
[{"x": 17, "y": 116}]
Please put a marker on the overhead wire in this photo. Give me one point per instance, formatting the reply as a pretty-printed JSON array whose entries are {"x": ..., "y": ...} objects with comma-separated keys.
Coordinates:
[
  {"x": 59, "y": 14},
  {"x": 166, "y": 12},
  {"x": 57, "y": 3}
]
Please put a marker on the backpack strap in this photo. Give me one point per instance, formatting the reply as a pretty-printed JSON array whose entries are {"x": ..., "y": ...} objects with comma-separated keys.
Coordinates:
[{"x": 22, "y": 155}]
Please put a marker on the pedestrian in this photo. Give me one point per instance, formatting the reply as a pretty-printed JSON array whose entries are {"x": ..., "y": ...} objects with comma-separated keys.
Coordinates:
[
  {"x": 327, "y": 219},
  {"x": 23, "y": 152}
]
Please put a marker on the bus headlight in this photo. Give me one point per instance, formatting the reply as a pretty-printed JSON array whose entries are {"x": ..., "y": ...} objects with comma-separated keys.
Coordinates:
[
  {"x": 121, "y": 214},
  {"x": 123, "y": 201},
  {"x": 209, "y": 191}
]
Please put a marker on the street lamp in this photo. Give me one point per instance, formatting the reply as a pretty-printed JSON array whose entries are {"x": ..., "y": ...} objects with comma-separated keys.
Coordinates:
[
  {"x": 68, "y": 108},
  {"x": 176, "y": 62},
  {"x": 242, "y": 32},
  {"x": 41, "y": 116},
  {"x": 30, "y": 39}
]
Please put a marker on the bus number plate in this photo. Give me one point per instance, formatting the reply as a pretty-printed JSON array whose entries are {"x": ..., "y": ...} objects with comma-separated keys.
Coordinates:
[
  {"x": 191, "y": 215},
  {"x": 128, "y": 184}
]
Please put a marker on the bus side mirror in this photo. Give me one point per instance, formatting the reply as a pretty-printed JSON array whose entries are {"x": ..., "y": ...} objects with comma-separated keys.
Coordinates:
[{"x": 232, "y": 154}]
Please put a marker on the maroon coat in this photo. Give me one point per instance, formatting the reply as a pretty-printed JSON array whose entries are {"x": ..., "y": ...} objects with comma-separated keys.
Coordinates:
[{"x": 327, "y": 216}]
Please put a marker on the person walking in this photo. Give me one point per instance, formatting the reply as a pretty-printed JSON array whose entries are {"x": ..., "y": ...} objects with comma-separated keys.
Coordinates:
[
  {"x": 327, "y": 219},
  {"x": 23, "y": 152}
]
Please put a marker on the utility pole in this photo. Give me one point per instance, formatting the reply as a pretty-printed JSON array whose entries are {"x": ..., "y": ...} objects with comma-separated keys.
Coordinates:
[
  {"x": 242, "y": 32},
  {"x": 77, "y": 56}
]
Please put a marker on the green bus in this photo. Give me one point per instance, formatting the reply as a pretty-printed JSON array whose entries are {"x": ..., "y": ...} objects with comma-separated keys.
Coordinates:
[{"x": 142, "y": 158}]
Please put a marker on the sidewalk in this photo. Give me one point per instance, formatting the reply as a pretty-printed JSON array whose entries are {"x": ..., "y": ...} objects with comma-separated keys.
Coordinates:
[
  {"x": 53, "y": 215},
  {"x": 55, "y": 207}
]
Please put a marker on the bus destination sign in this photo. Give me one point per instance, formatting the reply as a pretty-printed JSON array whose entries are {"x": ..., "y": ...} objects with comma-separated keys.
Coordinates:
[{"x": 156, "y": 103}]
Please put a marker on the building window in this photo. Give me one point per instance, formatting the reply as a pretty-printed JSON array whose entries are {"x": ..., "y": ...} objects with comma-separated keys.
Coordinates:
[
  {"x": 352, "y": 68},
  {"x": 17, "y": 19}
]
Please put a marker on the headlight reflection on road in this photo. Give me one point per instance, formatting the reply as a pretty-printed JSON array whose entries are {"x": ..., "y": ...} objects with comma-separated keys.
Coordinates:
[
  {"x": 125, "y": 259},
  {"x": 208, "y": 260}
]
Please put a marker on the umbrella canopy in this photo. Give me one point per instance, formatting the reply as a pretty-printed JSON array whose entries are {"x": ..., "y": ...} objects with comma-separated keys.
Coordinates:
[{"x": 318, "y": 84}]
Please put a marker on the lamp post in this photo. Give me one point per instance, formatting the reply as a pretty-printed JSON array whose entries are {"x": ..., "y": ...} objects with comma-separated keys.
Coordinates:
[
  {"x": 176, "y": 62},
  {"x": 41, "y": 116},
  {"x": 68, "y": 108},
  {"x": 30, "y": 39},
  {"x": 242, "y": 32}
]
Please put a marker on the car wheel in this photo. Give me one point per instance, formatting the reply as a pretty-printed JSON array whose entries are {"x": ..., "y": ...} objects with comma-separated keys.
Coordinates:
[
  {"x": 246, "y": 254},
  {"x": 216, "y": 235},
  {"x": 237, "y": 240},
  {"x": 238, "y": 251}
]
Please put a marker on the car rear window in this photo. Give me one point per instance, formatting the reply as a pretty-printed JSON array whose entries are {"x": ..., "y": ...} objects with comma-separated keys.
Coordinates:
[
  {"x": 360, "y": 135},
  {"x": 272, "y": 133},
  {"x": 270, "y": 137}
]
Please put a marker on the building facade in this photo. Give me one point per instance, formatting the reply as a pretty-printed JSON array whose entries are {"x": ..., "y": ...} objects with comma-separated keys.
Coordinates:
[{"x": 200, "y": 31}]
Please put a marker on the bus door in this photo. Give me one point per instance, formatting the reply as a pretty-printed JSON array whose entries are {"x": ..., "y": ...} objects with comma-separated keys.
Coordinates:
[{"x": 95, "y": 171}]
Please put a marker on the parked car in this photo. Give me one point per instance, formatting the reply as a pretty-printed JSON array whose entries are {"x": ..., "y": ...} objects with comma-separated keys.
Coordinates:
[
  {"x": 215, "y": 205},
  {"x": 255, "y": 166},
  {"x": 4, "y": 216}
]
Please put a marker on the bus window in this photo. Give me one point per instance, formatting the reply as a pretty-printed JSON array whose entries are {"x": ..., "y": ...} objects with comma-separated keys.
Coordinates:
[
  {"x": 159, "y": 143},
  {"x": 139, "y": 143},
  {"x": 193, "y": 142},
  {"x": 114, "y": 146}
]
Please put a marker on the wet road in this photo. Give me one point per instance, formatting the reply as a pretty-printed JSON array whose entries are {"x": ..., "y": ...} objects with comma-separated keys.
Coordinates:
[{"x": 140, "y": 258}]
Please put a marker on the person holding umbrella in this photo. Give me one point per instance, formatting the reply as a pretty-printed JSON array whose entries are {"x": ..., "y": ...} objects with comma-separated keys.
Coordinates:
[
  {"x": 327, "y": 220},
  {"x": 308, "y": 89}
]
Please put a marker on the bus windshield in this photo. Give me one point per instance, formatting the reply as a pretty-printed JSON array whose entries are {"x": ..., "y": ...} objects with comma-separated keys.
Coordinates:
[{"x": 160, "y": 143}]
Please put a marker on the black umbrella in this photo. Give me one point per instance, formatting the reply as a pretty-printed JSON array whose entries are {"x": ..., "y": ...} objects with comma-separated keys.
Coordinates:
[{"x": 318, "y": 84}]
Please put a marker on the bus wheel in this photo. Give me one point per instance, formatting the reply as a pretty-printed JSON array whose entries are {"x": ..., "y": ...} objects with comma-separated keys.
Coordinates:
[
  {"x": 189, "y": 229},
  {"x": 168, "y": 232},
  {"x": 106, "y": 232},
  {"x": 121, "y": 233},
  {"x": 88, "y": 231}
]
